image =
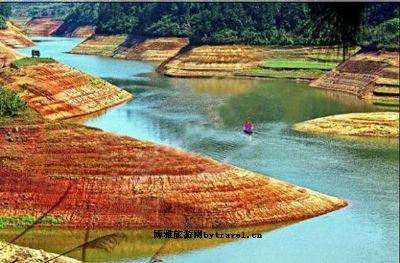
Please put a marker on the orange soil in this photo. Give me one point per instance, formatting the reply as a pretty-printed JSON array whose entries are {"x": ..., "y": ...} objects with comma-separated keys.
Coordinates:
[
  {"x": 117, "y": 181},
  {"x": 210, "y": 61},
  {"x": 8, "y": 55},
  {"x": 58, "y": 92},
  {"x": 42, "y": 26},
  {"x": 14, "y": 37},
  {"x": 154, "y": 49}
]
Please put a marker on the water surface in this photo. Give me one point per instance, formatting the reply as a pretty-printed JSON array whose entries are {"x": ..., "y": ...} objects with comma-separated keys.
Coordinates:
[{"x": 206, "y": 116}]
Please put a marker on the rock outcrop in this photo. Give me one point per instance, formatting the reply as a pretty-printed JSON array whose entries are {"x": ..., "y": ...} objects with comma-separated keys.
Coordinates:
[
  {"x": 94, "y": 179},
  {"x": 42, "y": 26},
  {"x": 57, "y": 91},
  {"x": 368, "y": 75},
  {"x": 214, "y": 61},
  {"x": 378, "y": 124},
  {"x": 14, "y": 37},
  {"x": 13, "y": 253}
]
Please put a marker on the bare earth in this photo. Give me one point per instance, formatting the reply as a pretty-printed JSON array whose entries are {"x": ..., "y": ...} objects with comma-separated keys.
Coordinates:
[
  {"x": 379, "y": 124},
  {"x": 57, "y": 91},
  {"x": 13, "y": 253}
]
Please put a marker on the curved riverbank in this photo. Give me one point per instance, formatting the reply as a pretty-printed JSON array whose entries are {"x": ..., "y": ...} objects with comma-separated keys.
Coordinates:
[{"x": 378, "y": 124}]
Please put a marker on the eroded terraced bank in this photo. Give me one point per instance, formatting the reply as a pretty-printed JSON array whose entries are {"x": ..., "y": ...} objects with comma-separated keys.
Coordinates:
[
  {"x": 135, "y": 48},
  {"x": 57, "y": 91},
  {"x": 87, "y": 177},
  {"x": 372, "y": 76}
]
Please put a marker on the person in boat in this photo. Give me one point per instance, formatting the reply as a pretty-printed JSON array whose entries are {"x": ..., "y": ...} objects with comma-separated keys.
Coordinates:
[{"x": 248, "y": 127}]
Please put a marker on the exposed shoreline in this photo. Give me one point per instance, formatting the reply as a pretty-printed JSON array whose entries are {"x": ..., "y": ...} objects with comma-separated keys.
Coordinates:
[{"x": 375, "y": 124}]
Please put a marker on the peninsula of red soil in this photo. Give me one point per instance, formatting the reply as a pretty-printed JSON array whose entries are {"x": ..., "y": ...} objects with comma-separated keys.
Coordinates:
[
  {"x": 14, "y": 37},
  {"x": 42, "y": 26},
  {"x": 57, "y": 91},
  {"x": 90, "y": 178},
  {"x": 14, "y": 253},
  {"x": 369, "y": 75}
]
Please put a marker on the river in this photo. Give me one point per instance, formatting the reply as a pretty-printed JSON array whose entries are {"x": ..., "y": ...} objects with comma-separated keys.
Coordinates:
[{"x": 206, "y": 116}]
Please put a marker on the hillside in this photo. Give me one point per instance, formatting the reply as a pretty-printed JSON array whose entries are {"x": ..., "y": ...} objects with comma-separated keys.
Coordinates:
[
  {"x": 57, "y": 91},
  {"x": 14, "y": 37},
  {"x": 42, "y": 26}
]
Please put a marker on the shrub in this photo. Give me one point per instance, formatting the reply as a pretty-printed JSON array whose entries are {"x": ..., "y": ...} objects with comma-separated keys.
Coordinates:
[
  {"x": 10, "y": 103},
  {"x": 3, "y": 22}
]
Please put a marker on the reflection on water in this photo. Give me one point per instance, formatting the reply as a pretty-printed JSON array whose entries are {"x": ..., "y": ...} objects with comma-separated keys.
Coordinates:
[
  {"x": 133, "y": 244},
  {"x": 206, "y": 116}
]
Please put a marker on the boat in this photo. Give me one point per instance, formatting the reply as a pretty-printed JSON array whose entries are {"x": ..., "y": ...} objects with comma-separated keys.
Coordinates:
[{"x": 248, "y": 130}]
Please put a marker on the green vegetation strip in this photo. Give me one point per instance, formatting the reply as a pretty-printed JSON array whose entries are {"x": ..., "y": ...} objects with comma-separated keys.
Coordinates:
[
  {"x": 25, "y": 62},
  {"x": 28, "y": 220},
  {"x": 296, "y": 64},
  {"x": 282, "y": 74}
]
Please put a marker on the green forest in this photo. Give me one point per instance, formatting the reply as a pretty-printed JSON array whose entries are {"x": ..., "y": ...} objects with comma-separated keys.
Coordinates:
[{"x": 229, "y": 23}]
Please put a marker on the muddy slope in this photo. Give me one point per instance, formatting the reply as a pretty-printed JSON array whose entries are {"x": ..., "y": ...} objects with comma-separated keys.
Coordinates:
[
  {"x": 99, "y": 179},
  {"x": 42, "y": 26},
  {"x": 14, "y": 253},
  {"x": 369, "y": 75},
  {"x": 378, "y": 124},
  {"x": 57, "y": 91},
  {"x": 214, "y": 61},
  {"x": 14, "y": 37}
]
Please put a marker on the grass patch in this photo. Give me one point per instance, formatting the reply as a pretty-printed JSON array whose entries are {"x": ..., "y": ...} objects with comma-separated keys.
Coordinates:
[
  {"x": 27, "y": 117},
  {"x": 98, "y": 83},
  {"x": 283, "y": 74},
  {"x": 25, "y": 62},
  {"x": 28, "y": 220},
  {"x": 296, "y": 64}
]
